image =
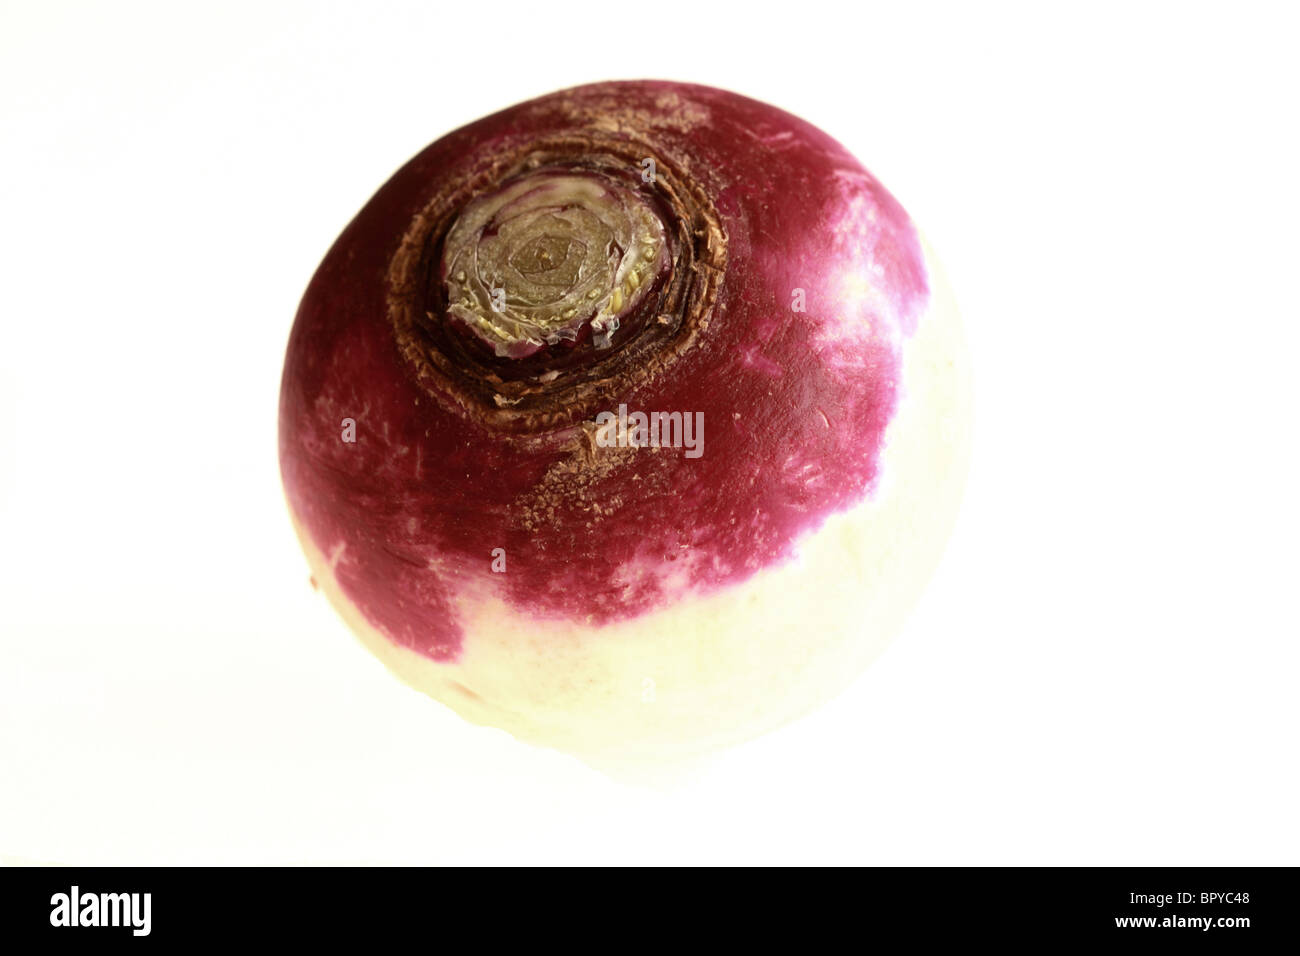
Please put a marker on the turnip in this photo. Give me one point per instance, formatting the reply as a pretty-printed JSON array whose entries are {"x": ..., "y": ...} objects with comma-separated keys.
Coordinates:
[{"x": 468, "y": 398}]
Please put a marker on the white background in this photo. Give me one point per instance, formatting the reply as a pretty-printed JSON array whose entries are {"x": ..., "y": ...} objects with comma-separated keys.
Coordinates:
[{"x": 1104, "y": 670}]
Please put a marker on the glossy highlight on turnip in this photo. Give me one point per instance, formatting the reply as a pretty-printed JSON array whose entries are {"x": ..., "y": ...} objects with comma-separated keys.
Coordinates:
[{"x": 520, "y": 328}]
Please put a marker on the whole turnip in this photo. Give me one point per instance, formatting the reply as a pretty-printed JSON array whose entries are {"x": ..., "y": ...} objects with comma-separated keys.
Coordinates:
[{"x": 631, "y": 419}]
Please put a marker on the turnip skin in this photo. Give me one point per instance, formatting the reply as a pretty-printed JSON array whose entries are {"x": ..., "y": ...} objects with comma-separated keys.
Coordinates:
[{"x": 652, "y": 606}]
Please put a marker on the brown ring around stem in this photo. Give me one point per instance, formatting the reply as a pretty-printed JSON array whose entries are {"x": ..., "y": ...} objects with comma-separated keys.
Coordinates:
[{"x": 557, "y": 397}]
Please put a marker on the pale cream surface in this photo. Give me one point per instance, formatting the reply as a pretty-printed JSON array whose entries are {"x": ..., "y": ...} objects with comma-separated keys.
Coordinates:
[{"x": 712, "y": 671}]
